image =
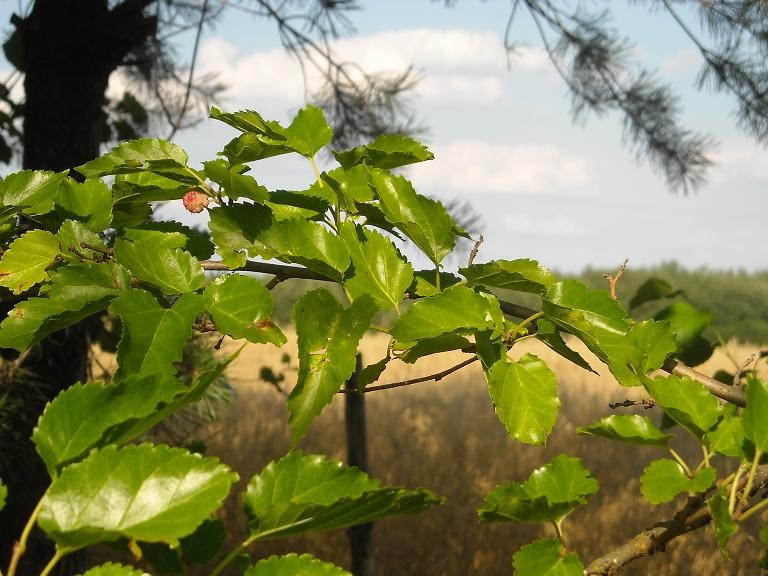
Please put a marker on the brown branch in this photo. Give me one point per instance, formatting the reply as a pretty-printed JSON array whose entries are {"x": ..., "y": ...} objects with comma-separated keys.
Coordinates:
[
  {"x": 614, "y": 280},
  {"x": 282, "y": 270},
  {"x": 432, "y": 377},
  {"x": 692, "y": 516},
  {"x": 475, "y": 248},
  {"x": 733, "y": 394}
]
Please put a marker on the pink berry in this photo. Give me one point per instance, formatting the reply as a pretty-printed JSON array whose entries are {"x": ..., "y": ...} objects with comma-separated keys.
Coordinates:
[{"x": 195, "y": 201}]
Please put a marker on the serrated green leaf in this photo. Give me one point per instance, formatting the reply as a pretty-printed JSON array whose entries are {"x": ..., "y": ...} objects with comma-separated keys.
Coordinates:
[
  {"x": 308, "y": 243},
  {"x": 130, "y": 214},
  {"x": 234, "y": 183},
  {"x": 423, "y": 220},
  {"x": 90, "y": 202},
  {"x": 294, "y": 565},
  {"x": 656, "y": 341},
  {"x": 664, "y": 479},
  {"x": 386, "y": 151},
  {"x": 429, "y": 346},
  {"x": 308, "y": 132},
  {"x": 546, "y": 558},
  {"x": 522, "y": 275},
  {"x": 112, "y": 569},
  {"x": 754, "y": 415},
  {"x": 75, "y": 292},
  {"x": 241, "y": 307},
  {"x": 26, "y": 261},
  {"x": 351, "y": 186},
  {"x": 725, "y": 527},
  {"x": 174, "y": 271},
  {"x": 379, "y": 269},
  {"x": 688, "y": 322},
  {"x": 548, "y": 333},
  {"x": 548, "y": 495},
  {"x": 457, "y": 309},
  {"x": 300, "y": 494},
  {"x": 371, "y": 373},
  {"x": 76, "y": 240},
  {"x": 425, "y": 283},
  {"x": 250, "y": 147},
  {"x": 170, "y": 234},
  {"x": 652, "y": 289},
  {"x": 328, "y": 336},
  {"x": 142, "y": 155},
  {"x": 32, "y": 191},
  {"x": 235, "y": 229},
  {"x": 687, "y": 402},
  {"x": 308, "y": 204},
  {"x": 729, "y": 438},
  {"x": 81, "y": 417},
  {"x": 631, "y": 428},
  {"x": 148, "y": 493},
  {"x": 524, "y": 395},
  {"x": 153, "y": 336}
]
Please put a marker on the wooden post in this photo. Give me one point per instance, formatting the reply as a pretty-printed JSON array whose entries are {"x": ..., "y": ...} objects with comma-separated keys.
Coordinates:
[{"x": 360, "y": 537}]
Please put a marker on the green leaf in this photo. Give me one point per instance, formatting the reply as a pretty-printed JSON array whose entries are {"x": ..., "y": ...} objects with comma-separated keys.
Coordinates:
[
  {"x": 234, "y": 183},
  {"x": 429, "y": 346},
  {"x": 548, "y": 495},
  {"x": 687, "y": 402},
  {"x": 386, "y": 151},
  {"x": 241, "y": 307},
  {"x": 170, "y": 234},
  {"x": 81, "y": 417},
  {"x": 522, "y": 275},
  {"x": 725, "y": 527},
  {"x": 546, "y": 558},
  {"x": 371, "y": 373},
  {"x": 328, "y": 336},
  {"x": 379, "y": 269},
  {"x": 235, "y": 229},
  {"x": 664, "y": 479},
  {"x": 754, "y": 415},
  {"x": 26, "y": 261},
  {"x": 142, "y": 155},
  {"x": 172, "y": 270},
  {"x": 250, "y": 147},
  {"x": 655, "y": 341},
  {"x": 3, "y": 494},
  {"x": 300, "y": 494},
  {"x": 112, "y": 569},
  {"x": 425, "y": 283},
  {"x": 90, "y": 202},
  {"x": 458, "y": 309},
  {"x": 294, "y": 565},
  {"x": 203, "y": 544},
  {"x": 631, "y": 428},
  {"x": 729, "y": 438},
  {"x": 308, "y": 132},
  {"x": 652, "y": 289},
  {"x": 74, "y": 236},
  {"x": 310, "y": 204},
  {"x": 308, "y": 243},
  {"x": 153, "y": 336},
  {"x": 350, "y": 187},
  {"x": 75, "y": 292},
  {"x": 548, "y": 333},
  {"x": 524, "y": 395},
  {"x": 148, "y": 493},
  {"x": 35, "y": 191},
  {"x": 423, "y": 220},
  {"x": 688, "y": 323}
]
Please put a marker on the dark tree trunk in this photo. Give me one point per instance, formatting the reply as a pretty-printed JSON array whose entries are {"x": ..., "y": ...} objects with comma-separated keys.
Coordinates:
[{"x": 70, "y": 49}]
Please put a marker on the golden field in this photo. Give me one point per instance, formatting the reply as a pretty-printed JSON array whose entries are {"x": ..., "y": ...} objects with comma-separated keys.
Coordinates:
[{"x": 445, "y": 436}]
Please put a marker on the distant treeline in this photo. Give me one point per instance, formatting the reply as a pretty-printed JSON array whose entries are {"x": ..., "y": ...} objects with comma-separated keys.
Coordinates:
[{"x": 738, "y": 300}]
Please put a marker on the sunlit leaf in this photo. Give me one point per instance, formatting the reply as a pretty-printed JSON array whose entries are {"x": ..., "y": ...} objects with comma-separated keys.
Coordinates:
[
  {"x": 142, "y": 155},
  {"x": 26, "y": 261},
  {"x": 89, "y": 202},
  {"x": 33, "y": 191},
  {"x": 664, "y": 479},
  {"x": 631, "y": 428},
  {"x": 294, "y": 565},
  {"x": 687, "y": 402},
  {"x": 522, "y": 275},
  {"x": 235, "y": 229},
  {"x": 386, "y": 151},
  {"x": 112, "y": 569},
  {"x": 546, "y": 558},
  {"x": 148, "y": 493},
  {"x": 175, "y": 271},
  {"x": 754, "y": 416},
  {"x": 725, "y": 527}
]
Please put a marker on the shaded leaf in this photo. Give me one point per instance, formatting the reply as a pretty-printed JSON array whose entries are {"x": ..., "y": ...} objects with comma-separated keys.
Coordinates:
[
  {"x": 148, "y": 493},
  {"x": 294, "y": 565},
  {"x": 235, "y": 229},
  {"x": 300, "y": 494},
  {"x": 90, "y": 202},
  {"x": 546, "y": 558},
  {"x": 631, "y": 428},
  {"x": 3, "y": 494},
  {"x": 754, "y": 415},
  {"x": 425, "y": 283},
  {"x": 687, "y": 402},
  {"x": 241, "y": 307},
  {"x": 729, "y": 438},
  {"x": 204, "y": 543},
  {"x": 429, "y": 346},
  {"x": 328, "y": 336},
  {"x": 550, "y": 493},
  {"x": 112, "y": 569},
  {"x": 386, "y": 151},
  {"x": 725, "y": 527},
  {"x": 524, "y": 395},
  {"x": 153, "y": 336},
  {"x": 142, "y": 155},
  {"x": 34, "y": 191},
  {"x": 379, "y": 269},
  {"x": 548, "y": 333},
  {"x": 174, "y": 271},
  {"x": 664, "y": 479},
  {"x": 522, "y": 275},
  {"x": 170, "y": 234},
  {"x": 652, "y": 289},
  {"x": 26, "y": 261}
]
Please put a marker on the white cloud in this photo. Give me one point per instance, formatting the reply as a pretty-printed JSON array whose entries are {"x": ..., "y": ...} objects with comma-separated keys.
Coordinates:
[
  {"x": 738, "y": 159},
  {"x": 477, "y": 166},
  {"x": 458, "y": 65},
  {"x": 537, "y": 225},
  {"x": 686, "y": 62}
]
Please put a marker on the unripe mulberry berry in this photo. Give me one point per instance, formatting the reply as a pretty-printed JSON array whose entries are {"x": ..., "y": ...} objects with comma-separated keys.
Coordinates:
[{"x": 195, "y": 201}]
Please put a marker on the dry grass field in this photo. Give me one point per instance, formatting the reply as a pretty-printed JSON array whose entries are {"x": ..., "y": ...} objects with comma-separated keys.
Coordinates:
[{"x": 445, "y": 436}]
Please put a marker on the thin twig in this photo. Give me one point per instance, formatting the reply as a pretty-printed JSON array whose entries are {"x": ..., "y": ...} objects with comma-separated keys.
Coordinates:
[
  {"x": 432, "y": 377},
  {"x": 614, "y": 280},
  {"x": 475, "y": 248},
  {"x": 742, "y": 369}
]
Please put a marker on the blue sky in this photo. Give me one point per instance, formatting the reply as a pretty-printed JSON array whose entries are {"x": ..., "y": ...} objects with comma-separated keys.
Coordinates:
[{"x": 569, "y": 195}]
